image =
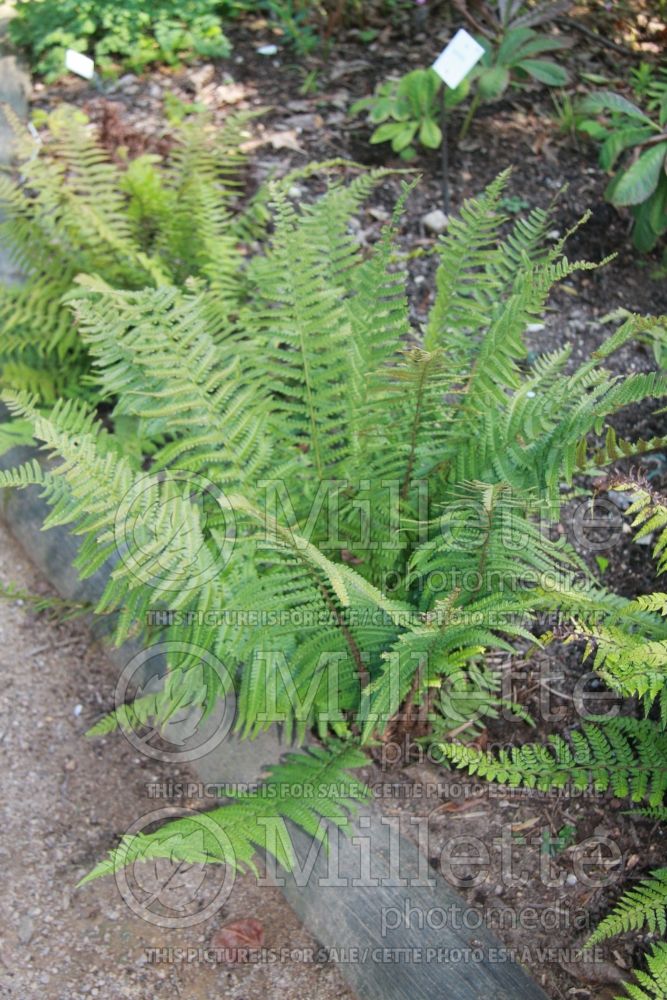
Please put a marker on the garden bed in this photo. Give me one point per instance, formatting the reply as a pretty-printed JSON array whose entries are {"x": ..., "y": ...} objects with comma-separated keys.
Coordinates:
[{"x": 302, "y": 126}]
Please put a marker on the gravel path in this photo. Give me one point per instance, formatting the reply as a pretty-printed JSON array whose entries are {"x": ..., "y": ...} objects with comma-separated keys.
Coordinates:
[{"x": 66, "y": 801}]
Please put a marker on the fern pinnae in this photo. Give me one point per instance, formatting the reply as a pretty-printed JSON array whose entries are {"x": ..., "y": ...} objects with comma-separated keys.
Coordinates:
[
  {"x": 651, "y": 984},
  {"x": 240, "y": 826},
  {"x": 645, "y": 905},
  {"x": 624, "y": 755}
]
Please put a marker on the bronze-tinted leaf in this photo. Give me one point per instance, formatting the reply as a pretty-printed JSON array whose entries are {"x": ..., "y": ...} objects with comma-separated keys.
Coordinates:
[{"x": 235, "y": 941}]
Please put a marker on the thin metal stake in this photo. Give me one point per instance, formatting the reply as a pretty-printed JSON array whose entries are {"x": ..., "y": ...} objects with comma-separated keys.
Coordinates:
[{"x": 444, "y": 151}]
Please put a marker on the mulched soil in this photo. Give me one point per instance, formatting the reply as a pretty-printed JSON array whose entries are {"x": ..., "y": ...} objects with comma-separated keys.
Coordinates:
[{"x": 307, "y": 119}]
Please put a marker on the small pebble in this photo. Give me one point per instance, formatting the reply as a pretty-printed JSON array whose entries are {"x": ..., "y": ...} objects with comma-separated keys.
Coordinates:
[
  {"x": 25, "y": 929},
  {"x": 435, "y": 221}
]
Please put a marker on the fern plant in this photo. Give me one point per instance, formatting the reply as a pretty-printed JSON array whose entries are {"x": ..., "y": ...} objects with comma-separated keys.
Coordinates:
[
  {"x": 625, "y": 755},
  {"x": 644, "y": 906},
  {"x": 147, "y": 223},
  {"x": 345, "y": 520}
]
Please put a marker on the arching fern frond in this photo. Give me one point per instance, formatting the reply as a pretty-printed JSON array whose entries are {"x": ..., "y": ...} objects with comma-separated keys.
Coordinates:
[
  {"x": 232, "y": 834},
  {"x": 625, "y": 755}
]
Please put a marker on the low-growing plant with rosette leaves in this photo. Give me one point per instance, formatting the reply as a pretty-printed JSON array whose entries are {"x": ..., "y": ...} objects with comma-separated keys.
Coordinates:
[{"x": 633, "y": 148}]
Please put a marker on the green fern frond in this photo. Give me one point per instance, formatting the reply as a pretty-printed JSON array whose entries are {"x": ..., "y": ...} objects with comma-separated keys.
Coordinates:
[
  {"x": 629, "y": 662},
  {"x": 651, "y": 985},
  {"x": 72, "y": 210},
  {"x": 656, "y": 813},
  {"x": 648, "y": 511},
  {"x": 232, "y": 834},
  {"x": 626, "y": 756},
  {"x": 589, "y": 459},
  {"x": 643, "y": 906},
  {"x": 467, "y": 273}
]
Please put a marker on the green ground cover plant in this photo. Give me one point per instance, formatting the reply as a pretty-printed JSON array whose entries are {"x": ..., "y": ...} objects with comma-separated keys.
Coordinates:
[
  {"x": 130, "y": 35},
  {"x": 406, "y": 111},
  {"x": 634, "y": 150}
]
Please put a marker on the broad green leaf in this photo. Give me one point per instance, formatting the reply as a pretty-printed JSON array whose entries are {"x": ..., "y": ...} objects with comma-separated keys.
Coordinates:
[
  {"x": 387, "y": 132},
  {"x": 405, "y": 136},
  {"x": 430, "y": 134},
  {"x": 658, "y": 206},
  {"x": 459, "y": 94},
  {"x": 543, "y": 43},
  {"x": 607, "y": 100},
  {"x": 619, "y": 140},
  {"x": 644, "y": 236},
  {"x": 382, "y": 110},
  {"x": 420, "y": 87},
  {"x": 650, "y": 218},
  {"x": 595, "y": 129},
  {"x": 545, "y": 71},
  {"x": 512, "y": 43},
  {"x": 493, "y": 82},
  {"x": 662, "y": 110},
  {"x": 641, "y": 179}
]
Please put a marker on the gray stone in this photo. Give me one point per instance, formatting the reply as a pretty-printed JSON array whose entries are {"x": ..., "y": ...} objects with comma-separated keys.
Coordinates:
[
  {"x": 25, "y": 929},
  {"x": 435, "y": 221}
]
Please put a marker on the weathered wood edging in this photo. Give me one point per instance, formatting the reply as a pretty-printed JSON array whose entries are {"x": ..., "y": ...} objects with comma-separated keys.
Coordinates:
[{"x": 380, "y": 933}]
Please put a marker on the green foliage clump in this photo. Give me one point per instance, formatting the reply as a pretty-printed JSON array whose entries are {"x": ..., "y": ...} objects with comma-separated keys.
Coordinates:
[
  {"x": 515, "y": 52},
  {"x": 149, "y": 222},
  {"x": 370, "y": 511},
  {"x": 406, "y": 111},
  {"x": 132, "y": 34},
  {"x": 634, "y": 149}
]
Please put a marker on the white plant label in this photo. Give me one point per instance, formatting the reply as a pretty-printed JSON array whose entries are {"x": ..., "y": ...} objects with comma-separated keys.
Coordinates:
[
  {"x": 77, "y": 63},
  {"x": 458, "y": 58}
]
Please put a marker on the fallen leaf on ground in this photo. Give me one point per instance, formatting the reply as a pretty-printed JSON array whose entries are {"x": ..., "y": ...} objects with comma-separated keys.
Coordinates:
[
  {"x": 277, "y": 140},
  {"x": 234, "y": 941}
]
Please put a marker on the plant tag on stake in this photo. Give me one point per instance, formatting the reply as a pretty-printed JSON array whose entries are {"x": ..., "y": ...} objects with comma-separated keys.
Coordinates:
[
  {"x": 77, "y": 63},
  {"x": 458, "y": 58}
]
